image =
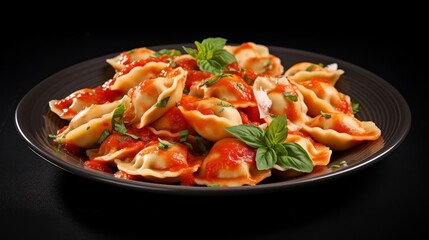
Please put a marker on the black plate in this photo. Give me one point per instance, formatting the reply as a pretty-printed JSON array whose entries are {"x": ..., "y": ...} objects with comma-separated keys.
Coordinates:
[{"x": 381, "y": 103}]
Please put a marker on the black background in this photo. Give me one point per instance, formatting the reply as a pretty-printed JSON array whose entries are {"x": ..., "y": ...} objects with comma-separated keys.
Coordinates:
[{"x": 41, "y": 201}]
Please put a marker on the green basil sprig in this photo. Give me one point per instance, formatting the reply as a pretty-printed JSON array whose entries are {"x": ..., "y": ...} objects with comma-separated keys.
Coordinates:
[
  {"x": 271, "y": 146},
  {"x": 210, "y": 55}
]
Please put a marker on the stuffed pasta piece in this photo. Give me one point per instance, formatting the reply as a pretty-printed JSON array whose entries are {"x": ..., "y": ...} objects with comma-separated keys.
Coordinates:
[
  {"x": 229, "y": 163},
  {"x": 71, "y": 105},
  {"x": 304, "y": 71},
  {"x": 209, "y": 117},
  {"x": 231, "y": 88},
  {"x": 320, "y": 95},
  {"x": 119, "y": 62},
  {"x": 257, "y": 58},
  {"x": 86, "y": 127},
  {"x": 340, "y": 131},
  {"x": 280, "y": 96},
  {"x": 150, "y": 99},
  {"x": 162, "y": 162}
]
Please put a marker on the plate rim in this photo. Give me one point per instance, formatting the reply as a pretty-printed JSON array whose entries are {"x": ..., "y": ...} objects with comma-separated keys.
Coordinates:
[{"x": 203, "y": 190}]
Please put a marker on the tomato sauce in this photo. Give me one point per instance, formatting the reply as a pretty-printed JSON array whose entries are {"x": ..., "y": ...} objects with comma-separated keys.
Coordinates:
[
  {"x": 98, "y": 95},
  {"x": 229, "y": 155},
  {"x": 98, "y": 165}
]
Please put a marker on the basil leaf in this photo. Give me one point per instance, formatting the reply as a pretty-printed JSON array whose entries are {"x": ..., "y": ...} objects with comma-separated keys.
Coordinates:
[
  {"x": 167, "y": 52},
  {"x": 249, "y": 134},
  {"x": 120, "y": 128},
  {"x": 214, "y": 43},
  {"x": 293, "y": 98},
  {"x": 210, "y": 66},
  {"x": 296, "y": 158},
  {"x": 223, "y": 57},
  {"x": 183, "y": 135},
  {"x": 201, "y": 145},
  {"x": 309, "y": 68},
  {"x": 164, "y": 144},
  {"x": 103, "y": 136},
  {"x": 162, "y": 103},
  {"x": 276, "y": 131},
  {"x": 355, "y": 106},
  {"x": 117, "y": 113},
  {"x": 210, "y": 55},
  {"x": 202, "y": 51},
  {"x": 325, "y": 115},
  {"x": 265, "y": 158},
  {"x": 190, "y": 51}
]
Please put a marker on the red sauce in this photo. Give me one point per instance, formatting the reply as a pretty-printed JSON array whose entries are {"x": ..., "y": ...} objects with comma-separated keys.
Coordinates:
[
  {"x": 339, "y": 126},
  {"x": 187, "y": 178},
  {"x": 176, "y": 159},
  {"x": 242, "y": 47},
  {"x": 316, "y": 85},
  {"x": 123, "y": 175},
  {"x": 344, "y": 106},
  {"x": 231, "y": 154},
  {"x": 124, "y": 58},
  {"x": 291, "y": 113},
  {"x": 187, "y": 64},
  {"x": 253, "y": 115},
  {"x": 98, "y": 95},
  {"x": 71, "y": 148},
  {"x": 238, "y": 87},
  {"x": 191, "y": 103},
  {"x": 176, "y": 120},
  {"x": 196, "y": 76},
  {"x": 98, "y": 165},
  {"x": 244, "y": 117},
  {"x": 116, "y": 141},
  {"x": 188, "y": 102}
]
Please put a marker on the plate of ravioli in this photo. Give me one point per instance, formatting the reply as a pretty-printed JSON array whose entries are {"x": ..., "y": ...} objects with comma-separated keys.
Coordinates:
[{"x": 212, "y": 117}]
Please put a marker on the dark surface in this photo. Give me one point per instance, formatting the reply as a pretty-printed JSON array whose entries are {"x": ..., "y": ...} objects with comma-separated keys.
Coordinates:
[{"x": 39, "y": 200}]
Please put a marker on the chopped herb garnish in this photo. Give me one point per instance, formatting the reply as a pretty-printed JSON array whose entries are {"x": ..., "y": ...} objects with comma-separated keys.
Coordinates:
[
  {"x": 87, "y": 128},
  {"x": 239, "y": 86},
  {"x": 210, "y": 55},
  {"x": 171, "y": 53},
  {"x": 213, "y": 185},
  {"x": 103, "y": 136},
  {"x": 309, "y": 68},
  {"x": 355, "y": 106},
  {"x": 341, "y": 164},
  {"x": 171, "y": 62},
  {"x": 164, "y": 144},
  {"x": 118, "y": 122},
  {"x": 292, "y": 97},
  {"x": 248, "y": 80},
  {"x": 201, "y": 145},
  {"x": 271, "y": 146},
  {"x": 321, "y": 65},
  {"x": 212, "y": 81},
  {"x": 59, "y": 145},
  {"x": 189, "y": 145},
  {"x": 183, "y": 135},
  {"x": 267, "y": 65},
  {"x": 53, "y": 136},
  {"x": 162, "y": 103},
  {"x": 131, "y": 51},
  {"x": 224, "y": 104},
  {"x": 325, "y": 115}
]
